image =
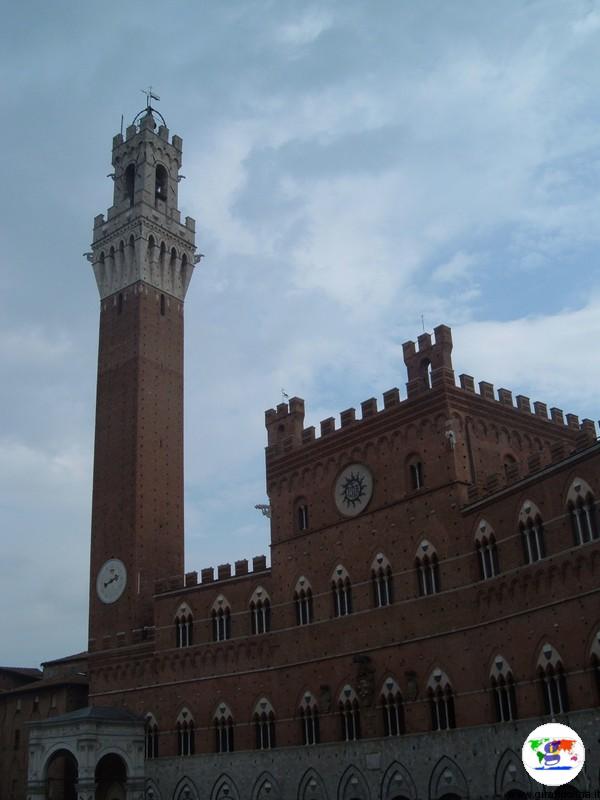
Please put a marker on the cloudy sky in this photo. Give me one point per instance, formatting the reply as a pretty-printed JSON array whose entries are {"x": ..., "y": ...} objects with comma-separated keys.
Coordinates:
[{"x": 351, "y": 167}]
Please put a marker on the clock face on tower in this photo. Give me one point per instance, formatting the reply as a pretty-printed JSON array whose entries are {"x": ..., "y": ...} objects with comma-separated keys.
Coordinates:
[
  {"x": 111, "y": 580},
  {"x": 353, "y": 489}
]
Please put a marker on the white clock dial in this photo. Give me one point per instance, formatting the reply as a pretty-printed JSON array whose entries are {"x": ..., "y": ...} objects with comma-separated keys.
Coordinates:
[
  {"x": 353, "y": 489},
  {"x": 111, "y": 580}
]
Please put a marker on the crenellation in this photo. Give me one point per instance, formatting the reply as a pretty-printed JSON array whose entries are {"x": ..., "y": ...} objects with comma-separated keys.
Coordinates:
[
  {"x": 391, "y": 398},
  {"x": 467, "y": 382},
  {"x": 327, "y": 426},
  {"x": 223, "y": 572},
  {"x": 540, "y": 409},
  {"x": 368, "y": 407},
  {"x": 241, "y": 567},
  {"x": 259, "y": 563},
  {"x": 208, "y": 575},
  {"x": 556, "y": 415},
  {"x": 308, "y": 435},
  {"x": 572, "y": 421},
  {"x": 523, "y": 403},
  {"x": 505, "y": 397},
  {"x": 486, "y": 390},
  {"x": 191, "y": 578},
  {"x": 347, "y": 417}
]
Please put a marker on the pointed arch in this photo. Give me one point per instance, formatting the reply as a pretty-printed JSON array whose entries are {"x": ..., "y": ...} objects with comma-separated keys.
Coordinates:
[
  {"x": 392, "y": 708},
  {"x": 504, "y": 696},
  {"x": 553, "y": 681},
  {"x": 341, "y": 588},
  {"x": 266, "y": 788},
  {"x": 582, "y": 510},
  {"x": 309, "y": 719},
  {"x": 426, "y": 564},
  {"x": 441, "y": 701},
  {"x": 221, "y": 619},
  {"x": 487, "y": 552},
  {"x": 312, "y": 786},
  {"x": 510, "y": 774},
  {"x": 186, "y": 790},
  {"x": 184, "y": 626},
  {"x": 224, "y": 788},
  {"x": 382, "y": 581},
  {"x": 151, "y": 791},
  {"x": 224, "y": 729},
  {"x": 186, "y": 745},
  {"x": 349, "y": 710},
  {"x": 303, "y": 601},
  {"x": 447, "y": 777},
  {"x": 260, "y": 611},
  {"x": 150, "y": 736},
  {"x": 531, "y": 528},
  {"x": 352, "y": 785},
  {"x": 264, "y": 724},
  {"x": 397, "y": 782}
]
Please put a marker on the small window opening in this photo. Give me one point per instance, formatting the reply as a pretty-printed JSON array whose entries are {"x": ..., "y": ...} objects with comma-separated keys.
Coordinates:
[
  {"x": 130, "y": 183},
  {"x": 416, "y": 475},
  {"x": 120, "y": 303},
  {"x": 162, "y": 305},
  {"x": 161, "y": 183},
  {"x": 303, "y": 517}
]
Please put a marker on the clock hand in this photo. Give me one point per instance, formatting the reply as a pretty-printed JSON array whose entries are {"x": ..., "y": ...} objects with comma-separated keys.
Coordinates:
[{"x": 114, "y": 578}]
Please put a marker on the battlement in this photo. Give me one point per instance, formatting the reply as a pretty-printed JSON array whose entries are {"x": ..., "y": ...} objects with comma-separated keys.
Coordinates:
[
  {"x": 429, "y": 367},
  {"x": 428, "y": 364},
  {"x": 207, "y": 575}
]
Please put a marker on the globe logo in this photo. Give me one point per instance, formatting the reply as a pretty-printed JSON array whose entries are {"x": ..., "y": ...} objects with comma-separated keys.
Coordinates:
[{"x": 553, "y": 754}]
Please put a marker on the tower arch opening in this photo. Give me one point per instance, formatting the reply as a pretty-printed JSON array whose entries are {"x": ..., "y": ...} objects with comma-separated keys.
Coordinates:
[
  {"x": 111, "y": 778},
  {"x": 62, "y": 772}
]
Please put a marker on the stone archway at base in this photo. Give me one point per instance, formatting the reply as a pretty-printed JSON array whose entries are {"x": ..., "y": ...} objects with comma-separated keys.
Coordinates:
[{"x": 111, "y": 778}]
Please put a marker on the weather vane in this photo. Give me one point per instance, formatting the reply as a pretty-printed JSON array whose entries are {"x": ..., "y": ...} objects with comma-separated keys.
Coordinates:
[{"x": 149, "y": 96}]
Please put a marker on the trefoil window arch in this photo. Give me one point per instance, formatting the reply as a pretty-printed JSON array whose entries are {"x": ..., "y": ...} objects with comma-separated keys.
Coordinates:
[
  {"x": 260, "y": 611},
  {"x": 392, "y": 708},
  {"x": 184, "y": 626},
  {"x": 264, "y": 725},
  {"x": 553, "y": 681},
  {"x": 223, "y": 720},
  {"x": 382, "y": 580},
  {"x": 349, "y": 714},
  {"x": 581, "y": 506},
  {"x": 221, "y": 619},
  {"x": 487, "y": 552},
  {"x": 441, "y": 701},
  {"x": 303, "y": 602},
  {"x": 531, "y": 527},
  {"x": 309, "y": 719},
  {"x": 342, "y": 592},
  {"x": 185, "y": 734},
  {"x": 428, "y": 573}
]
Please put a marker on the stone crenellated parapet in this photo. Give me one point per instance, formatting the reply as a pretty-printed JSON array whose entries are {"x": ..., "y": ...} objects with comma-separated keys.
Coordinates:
[{"x": 207, "y": 575}]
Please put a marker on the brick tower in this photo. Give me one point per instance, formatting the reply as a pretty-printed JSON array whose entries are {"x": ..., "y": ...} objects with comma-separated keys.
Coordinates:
[{"x": 143, "y": 258}]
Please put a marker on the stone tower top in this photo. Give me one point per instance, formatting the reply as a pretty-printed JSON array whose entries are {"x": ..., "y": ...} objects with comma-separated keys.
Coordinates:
[{"x": 142, "y": 238}]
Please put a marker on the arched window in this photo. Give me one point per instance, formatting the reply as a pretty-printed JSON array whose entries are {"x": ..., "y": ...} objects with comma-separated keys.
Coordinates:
[
  {"x": 428, "y": 573},
  {"x": 224, "y": 729},
  {"x": 487, "y": 552},
  {"x": 582, "y": 511},
  {"x": 221, "y": 620},
  {"x": 392, "y": 708},
  {"x": 532, "y": 532},
  {"x": 150, "y": 737},
  {"x": 184, "y": 626},
  {"x": 302, "y": 516},
  {"x": 441, "y": 701},
  {"x": 161, "y": 183},
  {"x": 503, "y": 691},
  {"x": 185, "y": 734},
  {"x": 260, "y": 611},
  {"x": 130, "y": 183},
  {"x": 553, "y": 681},
  {"x": 416, "y": 478},
  {"x": 309, "y": 719},
  {"x": 349, "y": 714},
  {"x": 342, "y": 592},
  {"x": 303, "y": 602},
  {"x": 264, "y": 725},
  {"x": 381, "y": 576}
]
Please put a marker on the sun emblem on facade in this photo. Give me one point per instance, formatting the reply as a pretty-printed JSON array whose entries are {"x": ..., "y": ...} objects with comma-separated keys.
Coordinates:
[{"x": 353, "y": 489}]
